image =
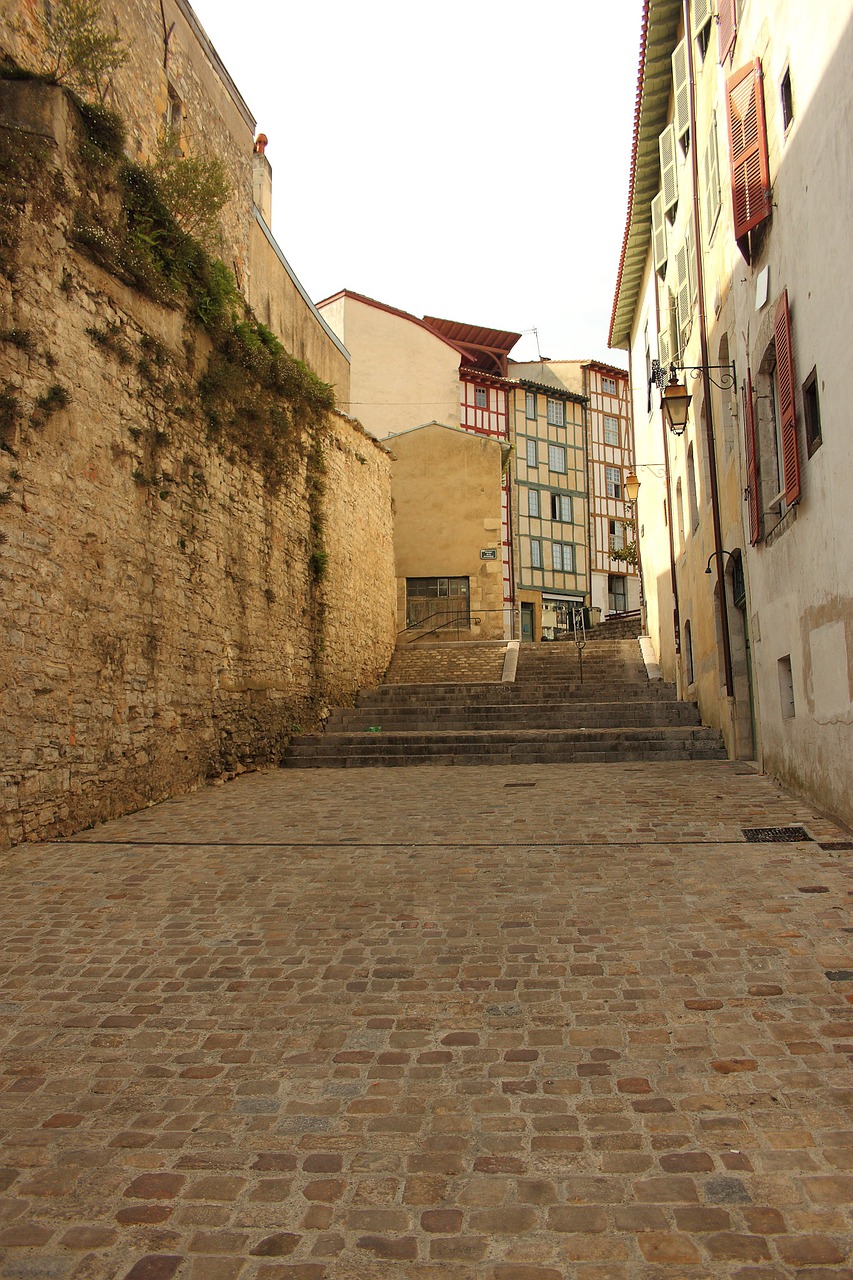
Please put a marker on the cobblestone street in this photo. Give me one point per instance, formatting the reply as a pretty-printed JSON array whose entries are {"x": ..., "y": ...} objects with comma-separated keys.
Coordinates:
[{"x": 442, "y": 1024}]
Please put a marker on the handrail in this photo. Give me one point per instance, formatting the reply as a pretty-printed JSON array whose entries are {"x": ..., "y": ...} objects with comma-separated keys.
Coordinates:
[
  {"x": 579, "y": 633},
  {"x": 457, "y": 620}
]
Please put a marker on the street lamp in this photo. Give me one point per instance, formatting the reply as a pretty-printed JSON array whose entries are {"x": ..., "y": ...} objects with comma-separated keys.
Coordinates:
[
  {"x": 675, "y": 398},
  {"x": 632, "y": 487}
]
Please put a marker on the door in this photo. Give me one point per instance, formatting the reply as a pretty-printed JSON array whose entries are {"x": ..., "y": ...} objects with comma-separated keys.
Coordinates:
[{"x": 527, "y": 623}]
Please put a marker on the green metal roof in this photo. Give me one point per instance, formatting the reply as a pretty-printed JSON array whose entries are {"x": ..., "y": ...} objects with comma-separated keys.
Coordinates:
[{"x": 660, "y": 28}]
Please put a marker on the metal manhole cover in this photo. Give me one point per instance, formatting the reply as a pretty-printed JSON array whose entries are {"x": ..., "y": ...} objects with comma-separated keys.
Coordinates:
[{"x": 773, "y": 835}]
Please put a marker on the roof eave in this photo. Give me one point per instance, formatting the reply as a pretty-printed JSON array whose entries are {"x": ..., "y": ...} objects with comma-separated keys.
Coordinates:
[{"x": 657, "y": 41}]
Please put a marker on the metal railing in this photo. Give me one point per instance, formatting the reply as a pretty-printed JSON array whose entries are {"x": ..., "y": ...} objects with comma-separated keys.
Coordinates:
[
  {"x": 579, "y": 636},
  {"x": 443, "y": 620}
]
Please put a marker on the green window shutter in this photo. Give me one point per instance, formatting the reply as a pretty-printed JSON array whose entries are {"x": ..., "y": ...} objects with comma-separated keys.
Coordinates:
[
  {"x": 680, "y": 90},
  {"x": 659, "y": 244},
  {"x": 703, "y": 12},
  {"x": 711, "y": 174},
  {"x": 668, "y": 168}
]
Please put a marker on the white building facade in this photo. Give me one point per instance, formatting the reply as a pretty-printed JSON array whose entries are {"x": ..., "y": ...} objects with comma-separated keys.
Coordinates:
[{"x": 736, "y": 269}]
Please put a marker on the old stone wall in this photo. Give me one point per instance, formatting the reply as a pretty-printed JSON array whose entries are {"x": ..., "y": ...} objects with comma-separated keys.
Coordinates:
[
  {"x": 463, "y": 663},
  {"x": 168, "y": 611}
]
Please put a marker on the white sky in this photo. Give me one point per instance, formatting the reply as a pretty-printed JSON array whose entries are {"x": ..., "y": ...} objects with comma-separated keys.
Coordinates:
[{"x": 459, "y": 158}]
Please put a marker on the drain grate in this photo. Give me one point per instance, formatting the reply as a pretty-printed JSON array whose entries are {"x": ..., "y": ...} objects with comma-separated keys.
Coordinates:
[
  {"x": 773, "y": 835},
  {"x": 836, "y": 845},
  {"x": 519, "y": 784}
]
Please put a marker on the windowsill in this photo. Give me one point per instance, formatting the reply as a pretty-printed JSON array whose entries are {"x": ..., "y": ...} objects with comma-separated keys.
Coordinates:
[{"x": 785, "y": 521}]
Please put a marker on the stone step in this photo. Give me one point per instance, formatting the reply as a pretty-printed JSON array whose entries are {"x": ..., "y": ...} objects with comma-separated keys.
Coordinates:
[
  {"x": 514, "y": 694},
  {"x": 604, "y": 715},
  {"x": 508, "y": 754},
  {"x": 437, "y": 742}
]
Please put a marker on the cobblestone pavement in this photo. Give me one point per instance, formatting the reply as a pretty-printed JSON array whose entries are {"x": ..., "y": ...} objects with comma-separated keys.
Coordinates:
[{"x": 440, "y": 1024}]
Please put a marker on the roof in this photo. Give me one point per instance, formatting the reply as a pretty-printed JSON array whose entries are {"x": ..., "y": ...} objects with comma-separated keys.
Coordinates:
[
  {"x": 657, "y": 41},
  {"x": 392, "y": 311},
  {"x": 552, "y": 390},
  {"x": 486, "y": 349}
]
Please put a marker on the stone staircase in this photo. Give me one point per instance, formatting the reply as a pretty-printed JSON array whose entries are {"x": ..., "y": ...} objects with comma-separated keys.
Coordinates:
[{"x": 547, "y": 715}]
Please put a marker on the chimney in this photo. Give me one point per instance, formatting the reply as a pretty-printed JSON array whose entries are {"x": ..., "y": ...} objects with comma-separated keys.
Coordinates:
[{"x": 262, "y": 179}]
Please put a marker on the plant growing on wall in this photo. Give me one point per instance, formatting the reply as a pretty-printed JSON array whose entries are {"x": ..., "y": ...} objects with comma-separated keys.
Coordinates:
[
  {"x": 193, "y": 188},
  {"x": 80, "y": 52},
  {"x": 625, "y": 555}
]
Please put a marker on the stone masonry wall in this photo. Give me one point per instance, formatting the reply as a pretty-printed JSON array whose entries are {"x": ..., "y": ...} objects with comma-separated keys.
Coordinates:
[
  {"x": 163, "y": 619},
  {"x": 464, "y": 663}
]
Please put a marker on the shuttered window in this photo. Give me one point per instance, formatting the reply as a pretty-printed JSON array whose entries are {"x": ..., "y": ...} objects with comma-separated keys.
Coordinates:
[
  {"x": 751, "y": 462},
  {"x": 680, "y": 90},
  {"x": 703, "y": 12},
  {"x": 726, "y": 26},
  {"x": 785, "y": 377},
  {"x": 659, "y": 240},
  {"x": 748, "y": 144},
  {"x": 682, "y": 289},
  {"x": 711, "y": 178},
  {"x": 668, "y": 168},
  {"x": 664, "y": 348}
]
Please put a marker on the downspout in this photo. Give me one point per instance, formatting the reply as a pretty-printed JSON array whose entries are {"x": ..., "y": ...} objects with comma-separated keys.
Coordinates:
[
  {"x": 706, "y": 378},
  {"x": 635, "y": 515}
]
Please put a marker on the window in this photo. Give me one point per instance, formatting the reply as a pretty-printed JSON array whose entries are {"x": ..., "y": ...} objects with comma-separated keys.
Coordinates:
[
  {"x": 711, "y": 175},
  {"x": 659, "y": 236},
  {"x": 613, "y": 481},
  {"x": 679, "y": 511},
  {"x": 611, "y": 430},
  {"x": 748, "y": 146},
  {"x": 703, "y": 12},
  {"x": 562, "y": 557},
  {"x": 608, "y": 386},
  {"x": 536, "y": 553},
  {"x": 688, "y": 652},
  {"x": 174, "y": 121},
  {"x": 811, "y": 413},
  {"x": 787, "y": 100},
  {"x": 556, "y": 413},
  {"x": 435, "y": 599},
  {"x": 556, "y": 457},
  {"x": 561, "y": 508},
  {"x": 668, "y": 149},
  {"x": 533, "y": 502},
  {"x": 480, "y": 397},
  {"x": 532, "y": 460},
  {"x": 617, "y": 536},
  {"x": 530, "y": 405},
  {"x": 681, "y": 93}
]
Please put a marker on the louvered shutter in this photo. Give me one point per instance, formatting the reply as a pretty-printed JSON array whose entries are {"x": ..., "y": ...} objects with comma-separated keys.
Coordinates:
[
  {"x": 712, "y": 179},
  {"x": 726, "y": 27},
  {"x": 664, "y": 350},
  {"x": 751, "y": 462},
  {"x": 680, "y": 90},
  {"x": 703, "y": 12},
  {"x": 668, "y": 168},
  {"x": 682, "y": 290},
  {"x": 659, "y": 244},
  {"x": 748, "y": 145},
  {"x": 785, "y": 379}
]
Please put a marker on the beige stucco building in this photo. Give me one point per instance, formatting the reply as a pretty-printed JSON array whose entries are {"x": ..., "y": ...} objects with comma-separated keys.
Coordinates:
[
  {"x": 736, "y": 268},
  {"x": 446, "y": 485},
  {"x": 409, "y": 371}
]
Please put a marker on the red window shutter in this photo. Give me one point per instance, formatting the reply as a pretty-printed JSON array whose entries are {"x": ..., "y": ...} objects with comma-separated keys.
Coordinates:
[
  {"x": 726, "y": 28},
  {"x": 748, "y": 147},
  {"x": 785, "y": 379},
  {"x": 751, "y": 462}
]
